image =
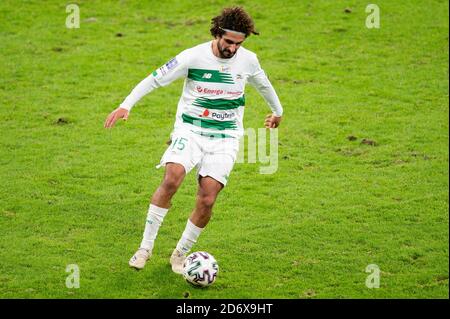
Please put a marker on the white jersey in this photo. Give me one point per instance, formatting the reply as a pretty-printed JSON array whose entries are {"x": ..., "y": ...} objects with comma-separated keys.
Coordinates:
[{"x": 213, "y": 96}]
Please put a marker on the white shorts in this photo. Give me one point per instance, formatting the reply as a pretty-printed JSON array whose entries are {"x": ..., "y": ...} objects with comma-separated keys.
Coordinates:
[{"x": 213, "y": 156}]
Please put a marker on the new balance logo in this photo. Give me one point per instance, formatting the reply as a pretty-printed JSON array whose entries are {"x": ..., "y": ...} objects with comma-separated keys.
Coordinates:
[{"x": 207, "y": 75}]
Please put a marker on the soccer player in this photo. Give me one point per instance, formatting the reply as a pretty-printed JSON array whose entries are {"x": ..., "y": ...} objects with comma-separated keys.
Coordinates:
[{"x": 208, "y": 125}]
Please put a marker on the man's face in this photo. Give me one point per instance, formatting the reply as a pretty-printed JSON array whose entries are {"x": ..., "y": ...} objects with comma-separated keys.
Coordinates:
[{"x": 228, "y": 44}]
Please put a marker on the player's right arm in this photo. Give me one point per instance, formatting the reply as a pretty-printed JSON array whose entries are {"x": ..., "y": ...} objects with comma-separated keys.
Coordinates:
[
  {"x": 115, "y": 115},
  {"x": 166, "y": 74}
]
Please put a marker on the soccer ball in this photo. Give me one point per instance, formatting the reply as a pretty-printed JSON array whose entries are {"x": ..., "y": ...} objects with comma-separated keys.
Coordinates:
[{"x": 200, "y": 269}]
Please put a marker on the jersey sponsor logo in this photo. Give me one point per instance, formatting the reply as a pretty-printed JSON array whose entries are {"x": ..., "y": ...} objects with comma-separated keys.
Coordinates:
[
  {"x": 209, "y": 91},
  {"x": 213, "y": 91},
  {"x": 218, "y": 116},
  {"x": 172, "y": 63},
  {"x": 205, "y": 113},
  {"x": 235, "y": 93},
  {"x": 223, "y": 116},
  {"x": 163, "y": 70},
  {"x": 201, "y": 89}
]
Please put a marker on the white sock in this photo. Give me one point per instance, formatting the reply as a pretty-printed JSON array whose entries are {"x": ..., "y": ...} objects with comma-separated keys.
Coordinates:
[
  {"x": 189, "y": 237},
  {"x": 155, "y": 217}
]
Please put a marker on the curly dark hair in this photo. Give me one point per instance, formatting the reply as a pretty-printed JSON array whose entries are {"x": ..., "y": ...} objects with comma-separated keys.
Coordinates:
[{"x": 235, "y": 19}]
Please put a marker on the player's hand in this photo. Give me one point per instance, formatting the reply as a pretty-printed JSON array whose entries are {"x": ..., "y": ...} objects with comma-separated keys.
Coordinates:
[
  {"x": 272, "y": 121},
  {"x": 112, "y": 118}
]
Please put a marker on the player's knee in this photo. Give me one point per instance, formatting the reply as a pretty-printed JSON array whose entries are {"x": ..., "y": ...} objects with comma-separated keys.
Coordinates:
[
  {"x": 207, "y": 201},
  {"x": 171, "y": 183}
]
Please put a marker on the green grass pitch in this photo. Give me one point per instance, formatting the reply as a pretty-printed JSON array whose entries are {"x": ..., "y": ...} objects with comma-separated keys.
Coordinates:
[{"x": 72, "y": 192}]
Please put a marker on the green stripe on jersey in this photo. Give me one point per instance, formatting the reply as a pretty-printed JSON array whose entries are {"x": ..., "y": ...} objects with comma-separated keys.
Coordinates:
[
  {"x": 207, "y": 123},
  {"x": 213, "y": 135},
  {"x": 219, "y": 104},
  {"x": 210, "y": 76}
]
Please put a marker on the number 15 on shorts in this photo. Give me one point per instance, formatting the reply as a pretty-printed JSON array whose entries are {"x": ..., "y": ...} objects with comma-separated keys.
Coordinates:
[{"x": 179, "y": 143}]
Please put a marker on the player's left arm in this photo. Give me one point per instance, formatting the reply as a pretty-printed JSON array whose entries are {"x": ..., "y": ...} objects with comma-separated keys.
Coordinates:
[{"x": 260, "y": 81}]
